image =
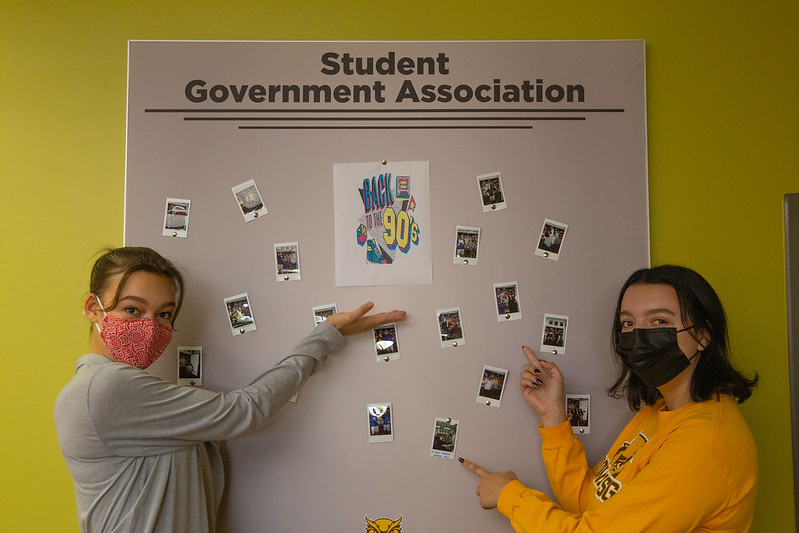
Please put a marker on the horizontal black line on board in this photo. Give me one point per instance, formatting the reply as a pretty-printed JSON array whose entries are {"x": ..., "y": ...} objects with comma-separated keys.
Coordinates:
[
  {"x": 257, "y": 110},
  {"x": 385, "y": 127},
  {"x": 363, "y": 119}
]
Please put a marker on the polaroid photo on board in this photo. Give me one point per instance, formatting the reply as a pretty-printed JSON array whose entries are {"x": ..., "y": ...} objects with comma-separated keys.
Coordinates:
[
  {"x": 450, "y": 327},
  {"x": 239, "y": 312},
  {"x": 508, "y": 305},
  {"x": 386, "y": 342},
  {"x": 176, "y": 217},
  {"x": 381, "y": 427},
  {"x": 190, "y": 365},
  {"x": 467, "y": 245},
  {"x": 550, "y": 241},
  {"x": 250, "y": 201},
  {"x": 321, "y": 312},
  {"x": 553, "y": 338},
  {"x": 287, "y": 261},
  {"x": 492, "y": 386},
  {"x": 445, "y": 436},
  {"x": 578, "y": 409},
  {"x": 492, "y": 194}
]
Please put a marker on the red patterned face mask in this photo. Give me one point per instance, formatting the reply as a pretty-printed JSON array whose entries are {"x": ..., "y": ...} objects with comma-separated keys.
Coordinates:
[{"x": 134, "y": 341}]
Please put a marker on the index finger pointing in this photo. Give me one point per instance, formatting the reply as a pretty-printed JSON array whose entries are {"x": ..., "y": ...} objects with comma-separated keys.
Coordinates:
[
  {"x": 477, "y": 469},
  {"x": 530, "y": 355}
]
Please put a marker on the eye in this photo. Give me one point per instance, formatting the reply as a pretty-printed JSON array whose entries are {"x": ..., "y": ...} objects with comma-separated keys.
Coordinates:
[
  {"x": 626, "y": 324},
  {"x": 131, "y": 310},
  {"x": 166, "y": 315}
]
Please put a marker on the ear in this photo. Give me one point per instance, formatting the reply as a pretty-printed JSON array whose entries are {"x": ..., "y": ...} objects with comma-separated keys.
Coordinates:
[
  {"x": 703, "y": 338},
  {"x": 91, "y": 308}
]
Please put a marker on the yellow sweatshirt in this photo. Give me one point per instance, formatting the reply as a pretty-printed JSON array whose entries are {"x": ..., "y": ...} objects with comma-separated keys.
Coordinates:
[{"x": 692, "y": 469}]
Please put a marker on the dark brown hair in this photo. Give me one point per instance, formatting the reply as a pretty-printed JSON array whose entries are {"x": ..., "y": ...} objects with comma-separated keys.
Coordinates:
[
  {"x": 126, "y": 261},
  {"x": 701, "y": 307}
]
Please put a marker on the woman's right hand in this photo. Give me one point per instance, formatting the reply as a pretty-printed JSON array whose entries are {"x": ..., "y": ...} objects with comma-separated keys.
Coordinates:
[{"x": 542, "y": 386}]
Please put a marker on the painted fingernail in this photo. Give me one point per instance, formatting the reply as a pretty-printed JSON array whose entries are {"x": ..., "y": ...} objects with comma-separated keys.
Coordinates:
[
  {"x": 460, "y": 459},
  {"x": 536, "y": 371},
  {"x": 539, "y": 382}
]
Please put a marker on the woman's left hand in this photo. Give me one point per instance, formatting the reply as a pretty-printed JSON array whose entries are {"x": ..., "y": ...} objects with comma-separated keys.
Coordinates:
[
  {"x": 491, "y": 483},
  {"x": 357, "y": 321}
]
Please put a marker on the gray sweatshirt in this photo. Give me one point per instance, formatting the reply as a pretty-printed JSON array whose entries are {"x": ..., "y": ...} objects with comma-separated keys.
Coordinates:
[{"x": 142, "y": 451}]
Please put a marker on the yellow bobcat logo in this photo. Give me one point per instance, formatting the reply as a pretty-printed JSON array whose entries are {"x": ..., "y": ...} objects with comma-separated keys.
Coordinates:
[{"x": 383, "y": 525}]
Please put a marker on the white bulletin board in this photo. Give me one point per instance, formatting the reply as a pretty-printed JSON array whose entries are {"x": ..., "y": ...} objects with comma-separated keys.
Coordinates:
[{"x": 534, "y": 156}]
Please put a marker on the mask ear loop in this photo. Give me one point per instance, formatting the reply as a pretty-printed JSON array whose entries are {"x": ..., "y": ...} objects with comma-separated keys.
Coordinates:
[{"x": 97, "y": 325}]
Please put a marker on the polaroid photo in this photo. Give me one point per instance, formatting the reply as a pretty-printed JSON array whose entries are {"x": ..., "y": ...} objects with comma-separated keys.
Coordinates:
[
  {"x": 492, "y": 386},
  {"x": 551, "y": 240},
  {"x": 445, "y": 435},
  {"x": 553, "y": 339},
  {"x": 578, "y": 409},
  {"x": 467, "y": 241},
  {"x": 250, "y": 201},
  {"x": 508, "y": 305},
  {"x": 321, "y": 312},
  {"x": 176, "y": 217},
  {"x": 386, "y": 342},
  {"x": 190, "y": 365},
  {"x": 492, "y": 195},
  {"x": 239, "y": 314},
  {"x": 450, "y": 327},
  {"x": 381, "y": 428},
  {"x": 287, "y": 261}
]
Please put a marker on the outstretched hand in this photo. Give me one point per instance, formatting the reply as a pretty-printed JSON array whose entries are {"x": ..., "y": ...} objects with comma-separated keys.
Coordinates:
[
  {"x": 542, "y": 386},
  {"x": 491, "y": 483},
  {"x": 357, "y": 321}
]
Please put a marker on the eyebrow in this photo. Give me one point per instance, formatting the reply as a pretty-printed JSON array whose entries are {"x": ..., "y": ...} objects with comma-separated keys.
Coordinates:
[
  {"x": 141, "y": 300},
  {"x": 650, "y": 312}
]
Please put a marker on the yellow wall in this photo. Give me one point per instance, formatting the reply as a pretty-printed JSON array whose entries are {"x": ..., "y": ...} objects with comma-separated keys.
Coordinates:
[{"x": 722, "y": 119}]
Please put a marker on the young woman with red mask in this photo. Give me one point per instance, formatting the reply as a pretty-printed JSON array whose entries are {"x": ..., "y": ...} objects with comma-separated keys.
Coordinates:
[
  {"x": 142, "y": 452},
  {"x": 687, "y": 459}
]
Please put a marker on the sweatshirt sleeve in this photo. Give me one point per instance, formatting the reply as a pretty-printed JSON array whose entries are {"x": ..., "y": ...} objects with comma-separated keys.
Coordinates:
[
  {"x": 567, "y": 467},
  {"x": 683, "y": 484},
  {"x": 138, "y": 414}
]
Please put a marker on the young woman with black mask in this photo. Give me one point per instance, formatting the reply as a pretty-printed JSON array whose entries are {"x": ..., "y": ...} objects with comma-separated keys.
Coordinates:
[{"x": 687, "y": 459}]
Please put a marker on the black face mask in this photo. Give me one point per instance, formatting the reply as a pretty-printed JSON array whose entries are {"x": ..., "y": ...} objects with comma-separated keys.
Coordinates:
[{"x": 653, "y": 354}]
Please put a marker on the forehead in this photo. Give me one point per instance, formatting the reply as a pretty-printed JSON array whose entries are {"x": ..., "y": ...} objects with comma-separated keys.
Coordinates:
[
  {"x": 643, "y": 298},
  {"x": 144, "y": 284}
]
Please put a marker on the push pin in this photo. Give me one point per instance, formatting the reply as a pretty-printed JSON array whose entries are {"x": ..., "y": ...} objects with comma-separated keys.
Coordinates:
[
  {"x": 386, "y": 359},
  {"x": 242, "y": 331},
  {"x": 465, "y": 261},
  {"x": 192, "y": 383},
  {"x": 555, "y": 352},
  {"x": 488, "y": 402},
  {"x": 582, "y": 430},
  {"x": 174, "y": 233},
  {"x": 507, "y": 317},
  {"x": 546, "y": 254},
  {"x": 384, "y": 162},
  {"x": 449, "y": 421},
  {"x": 455, "y": 343},
  {"x": 286, "y": 278},
  {"x": 494, "y": 206},
  {"x": 255, "y": 215}
]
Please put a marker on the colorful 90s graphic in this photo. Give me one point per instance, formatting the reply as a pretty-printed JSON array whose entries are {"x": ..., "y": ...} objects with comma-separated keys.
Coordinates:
[{"x": 387, "y": 223}]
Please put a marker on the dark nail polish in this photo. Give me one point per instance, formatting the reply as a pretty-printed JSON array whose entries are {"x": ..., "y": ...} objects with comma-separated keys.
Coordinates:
[
  {"x": 460, "y": 459},
  {"x": 539, "y": 382}
]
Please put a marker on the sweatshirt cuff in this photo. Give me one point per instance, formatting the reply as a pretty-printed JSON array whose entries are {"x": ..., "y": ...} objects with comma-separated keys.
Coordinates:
[
  {"x": 556, "y": 436},
  {"x": 509, "y": 496}
]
